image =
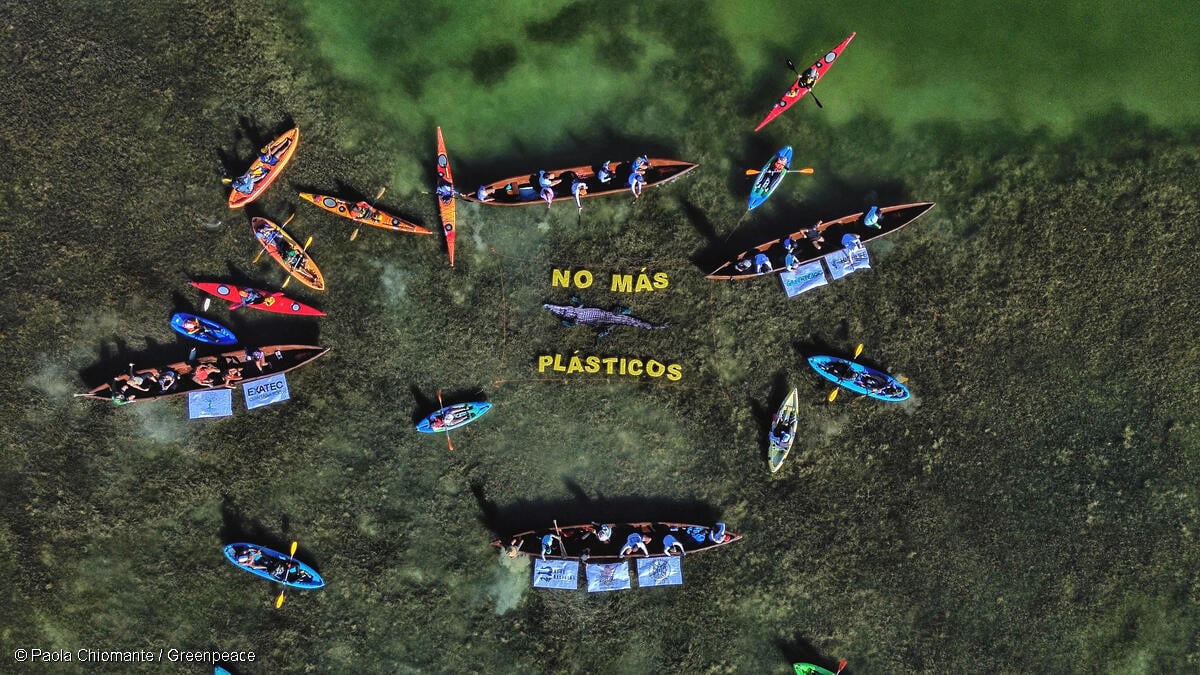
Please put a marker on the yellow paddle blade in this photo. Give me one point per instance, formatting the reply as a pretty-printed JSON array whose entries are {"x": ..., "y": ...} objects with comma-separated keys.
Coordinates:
[
  {"x": 227, "y": 181},
  {"x": 289, "y": 219},
  {"x": 259, "y": 256},
  {"x": 295, "y": 545},
  {"x": 381, "y": 191},
  {"x": 832, "y": 395},
  {"x": 807, "y": 169},
  {"x": 354, "y": 234},
  {"x": 858, "y": 350},
  {"x": 305, "y": 248},
  {"x": 286, "y": 282},
  {"x": 751, "y": 172},
  {"x": 279, "y": 600}
]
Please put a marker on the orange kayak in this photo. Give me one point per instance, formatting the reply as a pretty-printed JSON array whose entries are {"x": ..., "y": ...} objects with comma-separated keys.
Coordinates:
[
  {"x": 271, "y": 160},
  {"x": 445, "y": 201},
  {"x": 373, "y": 216},
  {"x": 291, "y": 256}
]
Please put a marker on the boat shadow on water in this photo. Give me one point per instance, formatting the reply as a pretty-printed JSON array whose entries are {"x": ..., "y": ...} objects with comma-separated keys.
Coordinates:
[
  {"x": 797, "y": 649},
  {"x": 237, "y": 158},
  {"x": 832, "y": 198},
  {"x": 535, "y": 514},
  {"x": 237, "y": 528}
]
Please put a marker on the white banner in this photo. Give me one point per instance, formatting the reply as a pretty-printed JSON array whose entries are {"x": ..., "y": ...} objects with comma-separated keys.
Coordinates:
[
  {"x": 848, "y": 260},
  {"x": 555, "y": 574},
  {"x": 805, "y": 278},
  {"x": 266, "y": 391},
  {"x": 660, "y": 571},
  {"x": 208, "y": 403},
  {"x": 607, "y": 577}
]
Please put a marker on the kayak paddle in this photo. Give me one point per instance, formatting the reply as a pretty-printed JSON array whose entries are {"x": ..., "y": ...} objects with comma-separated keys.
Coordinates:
[
  {"x": 807, "y": 170},
  {"x": 561, "y": 547},
  {"x": 841, "y": 665},
  {"x": 439, "y": 392},
  {"x": 810, "y": 89},
  {"x": 262, "y": 249},
  {"x": 279, "y": 601},
  {"x": 833, "y": 394}
]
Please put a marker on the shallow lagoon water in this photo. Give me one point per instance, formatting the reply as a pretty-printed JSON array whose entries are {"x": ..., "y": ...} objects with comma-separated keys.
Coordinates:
[{"x": 1036, "y": 510}]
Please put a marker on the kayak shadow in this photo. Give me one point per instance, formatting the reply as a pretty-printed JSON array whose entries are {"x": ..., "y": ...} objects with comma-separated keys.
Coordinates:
[
  {"x": 426, "y": 405},
  {"x": 797, "y": 649},
  {"x": 237, "y": 528},
  {"x": 525, "y": 515}
]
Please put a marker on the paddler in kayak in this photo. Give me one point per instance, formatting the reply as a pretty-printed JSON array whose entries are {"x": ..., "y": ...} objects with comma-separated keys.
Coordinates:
[
  {"x": 194, "y": 328},
  {"x": 445, "y": 191},
  {"x": 269, "y": 236},
  {"x": 805, "y": 80},
  {"x": 361, "y": 210},
  {"x": 269, "y": 156},
  {"x": 547, "y": 181},
  {"x": 580, "y": 190}
]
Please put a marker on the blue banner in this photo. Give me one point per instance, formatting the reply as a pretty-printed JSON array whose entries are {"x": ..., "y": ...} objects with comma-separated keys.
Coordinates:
[
  {"x": 804, "y": 278},
  {"x": 266, "y": 391},
  {"x": 555, "y": 574},
  {"x": 607, "y": 577},
  {"x": 660, "y": 571},
  {"x": 208, "y": 403}
]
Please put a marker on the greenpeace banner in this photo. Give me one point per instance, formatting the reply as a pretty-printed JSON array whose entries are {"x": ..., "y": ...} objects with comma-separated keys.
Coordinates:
[
  {"x": 556, "y": 574},
  {"x": 266, "y": 391},
  {"x": 208, "y": 403},
  {"x": 607, "y": 577},
  {"x": 660, "y": 571},
  {"x": 805, "y": 278}
]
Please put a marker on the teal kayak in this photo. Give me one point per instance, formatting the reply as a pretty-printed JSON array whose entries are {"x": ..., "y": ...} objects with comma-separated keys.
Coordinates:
[
  {"x": 770, "y": 177},
  {"x": 858, "y": 378},
  {"x": 453, "y": 416}
]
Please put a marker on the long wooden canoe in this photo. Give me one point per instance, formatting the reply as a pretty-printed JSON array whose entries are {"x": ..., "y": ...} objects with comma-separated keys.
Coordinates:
[
  {"x": 290, "y": 255},
  {"x": 892, "y": 219},
  {"x": 524, "y": 190},
  {"x": 262, "y": 172},
  {"x": 580, "y": 542},
  {"x": 278, "y": 359},
  {"x": 374, "y": 217}
]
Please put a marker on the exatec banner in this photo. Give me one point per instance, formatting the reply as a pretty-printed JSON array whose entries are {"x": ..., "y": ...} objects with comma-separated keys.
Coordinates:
[{"x": 266, "y": 391}]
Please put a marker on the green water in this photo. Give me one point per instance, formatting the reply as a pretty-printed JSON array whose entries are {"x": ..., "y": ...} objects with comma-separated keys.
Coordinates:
[{"x": 1033, "y": 507}]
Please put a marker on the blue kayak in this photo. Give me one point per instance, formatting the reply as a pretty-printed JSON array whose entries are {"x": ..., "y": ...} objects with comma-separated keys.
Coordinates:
[
  {"x": 858, "y": 378},
  {"x": 296, "y": 574},
  {"x": 769, "y": 179},
  {"x": 453, "y": 416},
  {"x": 202, "y": 329}
]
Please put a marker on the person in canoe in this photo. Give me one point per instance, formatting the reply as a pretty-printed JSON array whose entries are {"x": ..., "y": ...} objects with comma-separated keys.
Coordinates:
[
  {"x": 743, "y": 265},
  {"x": 717, "y": 534},
  {"x": 203, "y": 374},
  {"x": 762, "y": 264},
  {"x": 636, "y": 182},
  {"x": 781, "y": 434},
  {"x": 633, "y": 543},
  {"x": 231, "y": 377},
  {"x": 485, "y": 193},
  {"x": 580, "y": 190},
  {"x": 548, "y": 544},
  {"x": 874, "y": 215},
  {"x": 607, "y": 171},
  {"x": 603, "y": 532},
  {"x": 790, "y": 262},
  {"x": 547, "y": 181},
  {"x": 672, "y": 546},
  {"x": 813, "y": 236},
  {"x": 165, "y": 380},
  {"x": 640, "y": 164}
]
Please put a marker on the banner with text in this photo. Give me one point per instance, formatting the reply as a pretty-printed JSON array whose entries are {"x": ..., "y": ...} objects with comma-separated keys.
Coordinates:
[
  {"x": 556, "y": 574},
  {"x": 268, "y": 390},
  {"x": 804, "y": 278}
]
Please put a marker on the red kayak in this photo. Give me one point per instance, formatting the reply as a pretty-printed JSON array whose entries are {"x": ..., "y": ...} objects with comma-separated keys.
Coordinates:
[
  {"x": 257, "y": 299},
  {"x": 792, "y": 96}
]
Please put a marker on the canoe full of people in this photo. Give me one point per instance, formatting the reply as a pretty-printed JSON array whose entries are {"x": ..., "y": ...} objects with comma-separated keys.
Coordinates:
[
  {"x": 579, "y": 182},
  {"x": 608, "y": 542}
]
